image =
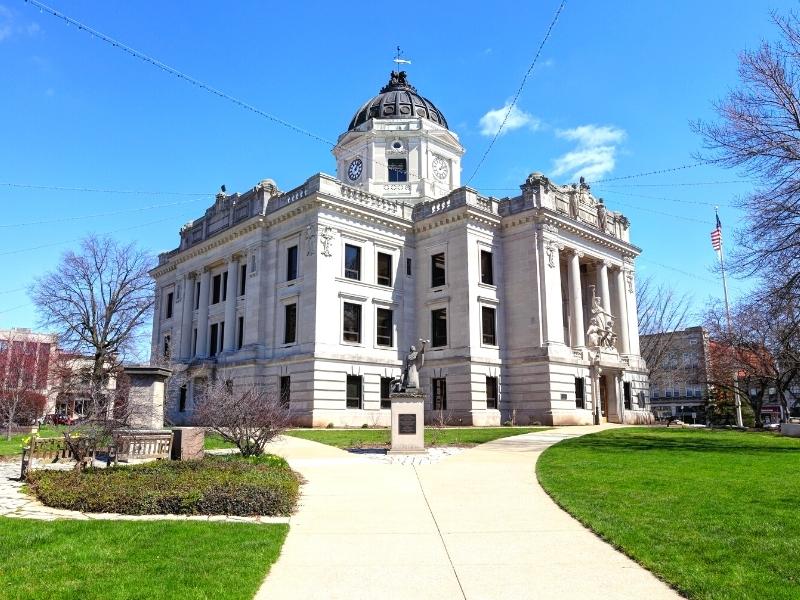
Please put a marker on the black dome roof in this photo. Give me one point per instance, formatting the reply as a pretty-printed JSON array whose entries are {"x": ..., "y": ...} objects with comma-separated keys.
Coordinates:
[{"x": 398, "y": 99}]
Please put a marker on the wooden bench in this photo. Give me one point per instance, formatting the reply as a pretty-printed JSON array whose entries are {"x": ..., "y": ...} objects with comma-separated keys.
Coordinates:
[{"x": 141, "y": 445}]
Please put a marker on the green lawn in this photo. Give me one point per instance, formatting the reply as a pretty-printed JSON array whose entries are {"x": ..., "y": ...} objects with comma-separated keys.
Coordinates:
[
  {"x": 122, "y": 560},
  {"x": 380, "y": 438},
  {"x": 714, "y": 513},
  {"x": 213, "y": 441},
  {"x": 13, "y": 447}
]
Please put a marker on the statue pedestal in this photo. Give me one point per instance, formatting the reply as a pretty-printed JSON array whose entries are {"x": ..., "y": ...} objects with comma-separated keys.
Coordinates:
[{"x": 408, "y": 422}]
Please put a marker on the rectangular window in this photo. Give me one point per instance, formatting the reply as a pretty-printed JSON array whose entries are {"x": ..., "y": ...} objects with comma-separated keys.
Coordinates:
[
  {"x": 290, "y": 324},
  {"x": 352, "y": 262},
  {"x": 216, "y": 288},
  {"x": 242, "y": 279},
  {"x": 384, "y": 327},
  {"x": 384, "y": 269},
  {"x": 286, "y": 390},
  {"x": 439, "y": 386},
  {"x": 580, "y": 399},
  {"x": 491, "y": 392},
  {"x": 169, "y": 305},
  {"x": 167, "y": 345},
  {"x": 487, "y": 269},
  {"x": 626, "y": 394},
  {"x": 386, "y": 390},
  {"x": 213, "y": 340},
  {"x": 437, "y": 270},
  {"x": 397, "y": 169},
  {"x": 351, "y": 322},
  {"x": 240, "y": 338},
  {"x": 439, "y": 327},
  {"x": 291, "y": 263},
  {"x": 194, "y": 342},
  {"x": 224, "y": 286},
  {"x": 488, "y": 315},
  {"x": 408, "y": 267},
  {"x": 182, "y": 399},
  {"x": 197, "y": 295},
  {"x": 354, "y": 391}
]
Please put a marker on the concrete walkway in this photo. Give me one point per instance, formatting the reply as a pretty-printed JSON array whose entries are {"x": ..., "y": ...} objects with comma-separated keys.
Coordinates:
[{"x": 474, "y": 526}]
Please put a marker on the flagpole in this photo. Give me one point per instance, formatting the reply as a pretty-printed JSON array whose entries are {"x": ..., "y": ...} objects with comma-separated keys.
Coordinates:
[{"x": 737, "y": 401}]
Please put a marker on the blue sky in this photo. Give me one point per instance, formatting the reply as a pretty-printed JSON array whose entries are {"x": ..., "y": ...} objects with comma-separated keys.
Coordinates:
[{"x": 612, "y": 95}]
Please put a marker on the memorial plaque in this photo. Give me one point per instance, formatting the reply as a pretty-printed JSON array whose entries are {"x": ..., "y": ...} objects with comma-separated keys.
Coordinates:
[{"x": 407, "y": 424}]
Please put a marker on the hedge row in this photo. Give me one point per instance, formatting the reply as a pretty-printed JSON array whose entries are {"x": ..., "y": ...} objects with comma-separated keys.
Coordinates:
[{"x": 213, "y": 486}]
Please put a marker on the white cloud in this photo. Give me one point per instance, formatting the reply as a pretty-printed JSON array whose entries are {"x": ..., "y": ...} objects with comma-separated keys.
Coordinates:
[
  {"x": 492, "y": 120},
  {"x": 594, "y": 154},
  {"x": 6, "y": 21}
]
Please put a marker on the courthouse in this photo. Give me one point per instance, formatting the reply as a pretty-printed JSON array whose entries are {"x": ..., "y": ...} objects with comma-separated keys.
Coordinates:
[{"x": 317, "y": 292}]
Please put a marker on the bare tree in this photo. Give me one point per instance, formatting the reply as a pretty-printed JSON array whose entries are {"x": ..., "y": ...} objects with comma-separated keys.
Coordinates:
[
  {"x": 758, "y": 132},
  {"x": 661, "y": 310},
  {"x": 247, "y": 415},
  {"x": 745, "y": 358},
  {"x": 98, "y": 300},
  {"x": 24, "y": 369}
]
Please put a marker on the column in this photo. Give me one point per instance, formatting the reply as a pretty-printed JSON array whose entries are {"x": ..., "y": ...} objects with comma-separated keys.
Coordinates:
[
  {"x": 550, "y": 292},
  {"x": 577, "y": 332},
  {"x": 633, "y": 318},
  {"x": 602, "y": 287},
  {"x": 622, "y": 311},
  {"x": 229, "y": 342},
  {"x": 186, "y": 316},
  {"x": 202, "y": 315}
]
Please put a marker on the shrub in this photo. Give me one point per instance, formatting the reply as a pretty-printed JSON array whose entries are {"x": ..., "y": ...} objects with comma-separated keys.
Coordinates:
[
  {"x": 329, "y": 426},
  {"x": 231, "y": 485},
  {"x": 364, "y": 426}
]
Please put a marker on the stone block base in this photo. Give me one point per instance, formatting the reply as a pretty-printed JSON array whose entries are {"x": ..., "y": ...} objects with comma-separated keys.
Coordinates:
[{"x": 188, "y": 443}]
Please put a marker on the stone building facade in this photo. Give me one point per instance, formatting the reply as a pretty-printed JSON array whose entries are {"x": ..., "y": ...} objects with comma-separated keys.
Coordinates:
[
  {"x": 679, "y": 383},
  {"x": 319, "y": 291}
]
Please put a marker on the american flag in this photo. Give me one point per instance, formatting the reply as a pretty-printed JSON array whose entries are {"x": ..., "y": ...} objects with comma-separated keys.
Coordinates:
[{"x": 716, "y": 236}]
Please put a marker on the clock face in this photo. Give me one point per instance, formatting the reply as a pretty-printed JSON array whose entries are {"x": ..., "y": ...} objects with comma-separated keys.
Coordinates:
[
  {"x": 440, "y": 168},
  {"x": 354, "y": 170}
]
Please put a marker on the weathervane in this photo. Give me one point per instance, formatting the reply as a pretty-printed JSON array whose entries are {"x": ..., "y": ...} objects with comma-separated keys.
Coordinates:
[{"x": 399, "y": 60}]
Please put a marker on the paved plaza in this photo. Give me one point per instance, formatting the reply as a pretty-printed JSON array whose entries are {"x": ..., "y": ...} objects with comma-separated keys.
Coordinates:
[{"x": 475, "y": 525}]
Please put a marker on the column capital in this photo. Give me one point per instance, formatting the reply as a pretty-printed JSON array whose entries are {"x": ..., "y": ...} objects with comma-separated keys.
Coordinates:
[
  {"x": 575, "y": 252},
  {"x": 237, "y": 257}
]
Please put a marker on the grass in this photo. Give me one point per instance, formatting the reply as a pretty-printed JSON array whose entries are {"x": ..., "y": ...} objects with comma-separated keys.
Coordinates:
[
  {"x": 13, "y": 447},
  {"x": 380, "y": 438},
  {"x": 713, "y": 513},
  {"x": 122, "y": 560},
  {"x": 214, "y": 441},
  {"x": 230, "y": 485}
]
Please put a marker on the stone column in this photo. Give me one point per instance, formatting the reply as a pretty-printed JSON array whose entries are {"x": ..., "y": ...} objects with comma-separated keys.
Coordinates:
[
  {"x": 622, "y": 312},
  {"x": 633, "y": 318},
  {"x": 577, "y": 332},
  {"x": 602, "y": 287},
  {"x": 186, "y": 316},
  {"x": 202, "y": 315},
  {"x": 229, "y": 342},
  {"x": 550, "y": 289},
  {"x": 146, "y": 396}
]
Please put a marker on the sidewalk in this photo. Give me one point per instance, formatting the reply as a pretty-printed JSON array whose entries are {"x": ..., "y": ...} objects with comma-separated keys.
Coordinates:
[{"x": 474, "y": 526}]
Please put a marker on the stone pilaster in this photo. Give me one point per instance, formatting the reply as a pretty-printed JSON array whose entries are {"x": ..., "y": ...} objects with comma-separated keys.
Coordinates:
[
  {"x": 622, "y": 311},
  {"x": 202, "y": 315},
  {"x": 186, "y": 316}
]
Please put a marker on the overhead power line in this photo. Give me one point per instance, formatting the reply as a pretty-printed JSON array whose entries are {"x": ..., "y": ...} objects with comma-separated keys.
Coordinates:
[
  {"x": 104, "y": 214},
  {"x": 674, "y": 184},
  {"x": 656, "y": 172},
  {"x": 519, "y": 90},
  {"x": 59, "y": 188}
]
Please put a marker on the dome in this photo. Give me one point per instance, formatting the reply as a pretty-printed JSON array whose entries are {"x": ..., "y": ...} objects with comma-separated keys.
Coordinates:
[{"x": 397, "y": 100}]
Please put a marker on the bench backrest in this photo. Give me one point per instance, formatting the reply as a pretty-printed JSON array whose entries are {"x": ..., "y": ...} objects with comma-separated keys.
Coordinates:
[{"x": 145, "y": 445}]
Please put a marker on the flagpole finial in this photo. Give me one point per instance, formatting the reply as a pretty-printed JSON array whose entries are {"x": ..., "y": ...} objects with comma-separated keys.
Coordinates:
[{"x": 399, "y": 60}]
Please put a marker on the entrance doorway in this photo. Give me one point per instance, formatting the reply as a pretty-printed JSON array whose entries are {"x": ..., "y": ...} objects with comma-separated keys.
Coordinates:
[{"x": 603, "y": 384}]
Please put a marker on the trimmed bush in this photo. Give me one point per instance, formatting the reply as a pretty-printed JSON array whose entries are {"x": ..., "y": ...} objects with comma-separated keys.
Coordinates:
[{"x": 231, "y": 485}]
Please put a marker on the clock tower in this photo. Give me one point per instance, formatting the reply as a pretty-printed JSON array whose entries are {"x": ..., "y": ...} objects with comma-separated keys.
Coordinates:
[{"x": 398, "y": 145}]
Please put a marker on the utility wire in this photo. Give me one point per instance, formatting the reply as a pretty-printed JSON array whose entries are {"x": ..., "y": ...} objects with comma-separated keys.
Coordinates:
[
  {"x": 657, "y": 172},
  {"x": 674, "y": 184},
  {"x": 50, "y": 245},
  {"x": 105, "y": 214},
  {"x": 196, "y": 82},
  {"x": 58, "y": 188},
  {"x": 519, "y": 91},
  {"x": 681, "y": 271}
]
